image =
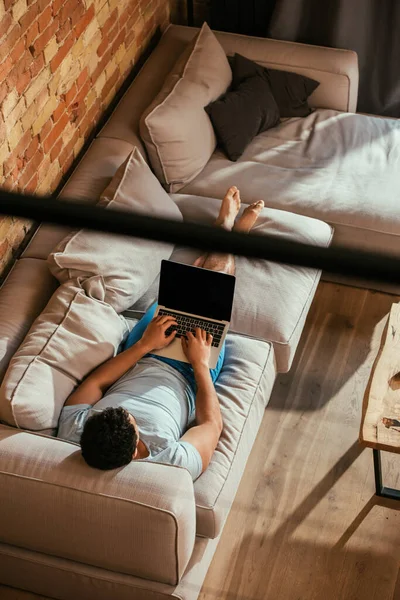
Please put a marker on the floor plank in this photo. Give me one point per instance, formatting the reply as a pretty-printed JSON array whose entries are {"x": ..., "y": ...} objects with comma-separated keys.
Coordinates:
[{"x": 305, "y": 524}]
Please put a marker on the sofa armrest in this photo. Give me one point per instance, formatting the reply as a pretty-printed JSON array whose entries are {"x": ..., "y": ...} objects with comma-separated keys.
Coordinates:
[
  {"x": 335, "y": 69},
  {"x": 139, "y": 520}
]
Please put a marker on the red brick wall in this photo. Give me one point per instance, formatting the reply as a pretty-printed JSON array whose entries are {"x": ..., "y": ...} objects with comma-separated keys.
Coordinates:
[{"x": 61, "y": 63}]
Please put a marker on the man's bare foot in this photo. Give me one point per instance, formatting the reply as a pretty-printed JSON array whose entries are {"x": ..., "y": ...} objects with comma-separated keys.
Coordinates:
[
  {"x": 229, "y": 209},
  {"x": 249, "y": 217}
]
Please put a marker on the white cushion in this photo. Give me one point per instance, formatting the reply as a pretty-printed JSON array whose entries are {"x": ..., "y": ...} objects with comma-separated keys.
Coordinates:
[
  {"x": 74, "y": 334},
  {"x": 128, "y": 265},
  {"x": 175, "y": 128}
]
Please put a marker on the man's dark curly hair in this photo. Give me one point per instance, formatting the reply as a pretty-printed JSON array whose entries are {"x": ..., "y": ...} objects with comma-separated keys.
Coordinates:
[{"x": 108, "y": 439}]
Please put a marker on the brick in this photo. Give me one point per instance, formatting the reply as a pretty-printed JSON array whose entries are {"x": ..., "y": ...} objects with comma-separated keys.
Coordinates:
[
  {"x": 103, "y": 46},
  {"x": 31, "y": 168},
  {"x": 37, "y": 85},
  {"x": 56, "y": 149},
  {"x": 32, "y": 148},
  {"x": 82, "y": 79},
  {"x": 12, "y": 39},
  {"x": 15, "y": 136},
  {"x": 84, "y": 21},
  {"x": 110, "y": 22},
  {"x": 29, "y": 116},
  {"x": 5, "y": 24},
  {"x": 70, "y": 95},
  {"x": 19, "y": 9},
  {"x": 29, "y": 17},
  {"x": 101, "y": 65},
  {"x": 9, "y": 103},
  {"x": 118, "y": 42},
  {"x": 62, "y": 52},
  {"x": 4, "y": 248},
  {"x": 45, "y": 19},
  {"x": 51, "y": 179},
  {"x": 70, "y": 70},
  {"x": 31, "y": 186},
  {"x": 90, "y": 32},
  {"x": 44, "y": 132},
  {"x": 90, "y": 119},
  {"x": 16, "y": 158},
  {"x": 44, "y": 38},
  {"x": 44, "y": 115},
  {"x": 4, "y": 151},
  {"x": 77, "y": 50},
  {"x": 77, "y": 14},
  {"x": 103, "y": 14},
  {"x": 21, "y": 67},
  {"x": 50, "y": 50},
  {"x": 5, "y": 68},
  {"x": 23, "y": 82},
  {"x": 68, "y": 9},
  {"x": 99, "y": 84},
  {"x": 56, "y": 5},
  {"x": 31, "y": 35},
  {"x": 110, "y": 84},
  {"x": 37, "y": 65},
  {"x": 63, "y": 31},
  {"x": 18, "y": 51},
  {"x": 68, "y": 149},
  {"x": 60, "y": 110},
  {"x": 113, "y": 32},
  {"x": 67, "y": 162},
  {"x": 3, "y": 91},
  {"x": 16, "y": 113},
  {"x": 55, "y": 133},
  {"x": 78, "y": 146},
  {"x": 80, "y": 97}
]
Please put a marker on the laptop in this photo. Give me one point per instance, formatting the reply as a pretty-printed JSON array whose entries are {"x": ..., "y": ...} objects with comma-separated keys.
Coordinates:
[{"x": 196, "y": 297}]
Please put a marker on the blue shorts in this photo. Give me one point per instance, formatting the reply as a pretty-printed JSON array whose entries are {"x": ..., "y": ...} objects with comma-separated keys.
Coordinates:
[{"x": 185, "y": 368}]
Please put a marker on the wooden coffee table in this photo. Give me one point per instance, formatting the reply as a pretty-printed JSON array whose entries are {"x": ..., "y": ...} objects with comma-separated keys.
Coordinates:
[{"x": 380, "y": 422}]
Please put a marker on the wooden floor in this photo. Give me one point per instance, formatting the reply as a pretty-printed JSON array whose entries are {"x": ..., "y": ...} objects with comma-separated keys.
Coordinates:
[{"x": 305, "y": 524}]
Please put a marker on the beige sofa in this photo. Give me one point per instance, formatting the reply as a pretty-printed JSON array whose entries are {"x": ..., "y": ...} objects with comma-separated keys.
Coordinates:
[{"x": 145, "y": 531}]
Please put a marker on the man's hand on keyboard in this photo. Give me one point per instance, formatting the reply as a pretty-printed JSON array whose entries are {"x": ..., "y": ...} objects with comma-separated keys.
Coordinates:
[
  {"x": 197, "y": 347},
  {"x": 156, "y": 337}
]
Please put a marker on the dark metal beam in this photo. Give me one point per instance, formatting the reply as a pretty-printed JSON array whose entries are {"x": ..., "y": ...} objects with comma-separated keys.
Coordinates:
[{"x": 345, "y": 261}]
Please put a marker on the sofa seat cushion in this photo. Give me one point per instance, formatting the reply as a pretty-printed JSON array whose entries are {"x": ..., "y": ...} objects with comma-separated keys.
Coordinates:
[
  {"x": 243, "y": 387},
  {"x": 271, "y": 300},
  {"x": 128, "y": 265},
  {"x": 341, "y": 168},
  {"x": 75, "y": 333}
]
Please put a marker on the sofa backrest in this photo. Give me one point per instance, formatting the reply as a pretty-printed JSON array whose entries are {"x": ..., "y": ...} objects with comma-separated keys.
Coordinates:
[{"x": 335, "y": 69}]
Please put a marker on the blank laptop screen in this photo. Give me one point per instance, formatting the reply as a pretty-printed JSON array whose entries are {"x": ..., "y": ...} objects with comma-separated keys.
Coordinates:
[{"x": 195, "y": 290}]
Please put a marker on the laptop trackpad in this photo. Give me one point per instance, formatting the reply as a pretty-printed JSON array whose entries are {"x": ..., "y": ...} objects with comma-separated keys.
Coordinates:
[{"x": 173, "y": 350}]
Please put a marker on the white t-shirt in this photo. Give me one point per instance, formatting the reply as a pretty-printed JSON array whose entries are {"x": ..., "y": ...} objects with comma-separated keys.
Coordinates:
[{"x": 162, "y": 402}]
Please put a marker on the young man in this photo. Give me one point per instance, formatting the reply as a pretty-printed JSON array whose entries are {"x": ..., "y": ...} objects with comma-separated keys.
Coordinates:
[{"x": 138, "y": 405}]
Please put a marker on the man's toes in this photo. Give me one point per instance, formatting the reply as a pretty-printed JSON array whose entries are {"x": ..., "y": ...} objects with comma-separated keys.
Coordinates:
[
  {"x": 258, "y": 205},
  {"x": 231, "y": 192}
]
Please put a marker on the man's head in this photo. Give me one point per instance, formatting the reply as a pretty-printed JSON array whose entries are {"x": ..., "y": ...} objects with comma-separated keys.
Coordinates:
[{"x": 109, "y": 439}]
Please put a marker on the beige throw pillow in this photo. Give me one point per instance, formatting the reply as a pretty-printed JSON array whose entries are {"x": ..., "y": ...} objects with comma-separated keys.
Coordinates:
[
  {"x": 175, "y": 128},
  {"x": 127, "y": 265},
  {"x": 75, "y": 333}
]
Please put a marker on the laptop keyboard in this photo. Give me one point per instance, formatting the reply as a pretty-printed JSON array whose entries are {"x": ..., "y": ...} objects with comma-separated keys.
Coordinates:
[{"x": 185, "y": 323}]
